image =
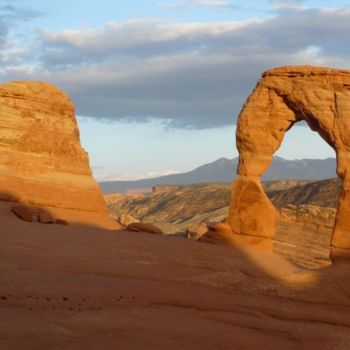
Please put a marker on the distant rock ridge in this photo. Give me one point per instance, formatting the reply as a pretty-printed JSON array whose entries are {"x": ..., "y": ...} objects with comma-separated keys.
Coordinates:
[
  {"x": 42, "y": 162},
  {"x": 223, "y": 170}
]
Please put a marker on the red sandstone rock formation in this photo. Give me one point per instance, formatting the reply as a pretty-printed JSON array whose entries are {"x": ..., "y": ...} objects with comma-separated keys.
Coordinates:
[
  {"x": 42, "y": 162},
  {"x": 195, "y": 231},
  {"x": 284, "y": 96},
  {"x": 144, "y": 227},
  {"x": 25, "y": 213}
]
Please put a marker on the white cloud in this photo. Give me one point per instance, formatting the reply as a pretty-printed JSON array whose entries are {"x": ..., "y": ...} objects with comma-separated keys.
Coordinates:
[
  {"x": 197, "y": 3},
  {"x": 125, "y": 177},
  {"x": 185, "y": 74},
  {"x": 287, "y": 4},
  {"x": 136, "y": 37}
]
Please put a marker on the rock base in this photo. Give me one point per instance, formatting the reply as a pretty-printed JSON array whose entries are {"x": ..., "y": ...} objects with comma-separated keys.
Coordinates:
[
  {"x": 256, "y": 243},
  {"x": 338, "y": 254},
  {"x": 228, "y": 238}
]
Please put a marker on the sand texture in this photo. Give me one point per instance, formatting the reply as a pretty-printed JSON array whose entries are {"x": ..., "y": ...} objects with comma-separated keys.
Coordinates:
[{"x": 71, "y": 287}]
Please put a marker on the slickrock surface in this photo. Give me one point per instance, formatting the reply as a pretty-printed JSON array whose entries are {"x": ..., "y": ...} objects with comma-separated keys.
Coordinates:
[
  {"x": 282, "y": 97},
  {"x": 142, "y": 227},
  {"x": 76, "y": 288},
  {"x": 42, "y": 162},
  {"x": 303, "y": 234}
]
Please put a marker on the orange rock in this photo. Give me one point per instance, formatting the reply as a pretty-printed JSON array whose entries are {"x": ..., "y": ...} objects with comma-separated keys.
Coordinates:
[
  {"x": 25, "y": 213},
  {"x": 217, "y": 238},
  {"x": 223, "y": 235},
  {"x": 195, "y": 231},
  {"x": 143, "y": 227},
  {"x": 251, "y": 211},
  {"x": 45, "y": 218},
  {"x": 126, "y": 220},
  {"x": 256, "y": 243},
  {"x": 219, "y": 227},
  {"x": 30, "y": 214},
  {"x": 282, "y": 97},
  {"x": 42, "y": 161},
  {"x": 337, "y": 254},
  {"x": 61, "y": 222},
  {"x": 7, "y": 197}
]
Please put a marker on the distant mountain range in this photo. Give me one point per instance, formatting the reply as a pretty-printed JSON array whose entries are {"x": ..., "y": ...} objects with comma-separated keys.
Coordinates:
[{"x": 224, "y": 170}]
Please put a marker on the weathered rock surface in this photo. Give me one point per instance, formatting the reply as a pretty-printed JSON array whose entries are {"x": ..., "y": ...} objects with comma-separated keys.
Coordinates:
[
  {"x": 25, "y": 213},
  {"x": 126, "y": 220},
  {"x": 61, "y": 222},
  {"x": 309, "y": 216},
  {"x": 284, "y": 96},
  {"x": 303, "y": 234},
  {"x": 219, "y": 227},
  {"x": 144, "y": 227},
  {"x": 251, "y": 211},
  {"x": 45, "y": 218},
  {"x": 42, "y": 162},
  {"x": 195, "y": 231},
  {"x": 226, "y": 237}
]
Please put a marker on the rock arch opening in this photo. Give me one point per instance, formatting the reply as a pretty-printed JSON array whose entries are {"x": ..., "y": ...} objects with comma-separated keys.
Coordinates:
[
  {"x": 282, "y": 97},
  {"x": 305, "y": 208}
]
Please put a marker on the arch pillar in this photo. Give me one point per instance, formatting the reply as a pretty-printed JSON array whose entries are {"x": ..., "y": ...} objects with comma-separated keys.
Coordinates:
[
  {"x": 340, "y": 242},
  {"x": 260, "y": 130}
]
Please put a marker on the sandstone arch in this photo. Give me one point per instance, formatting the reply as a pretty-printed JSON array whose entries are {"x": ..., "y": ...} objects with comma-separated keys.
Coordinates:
[{"x": 283, "y": 96}]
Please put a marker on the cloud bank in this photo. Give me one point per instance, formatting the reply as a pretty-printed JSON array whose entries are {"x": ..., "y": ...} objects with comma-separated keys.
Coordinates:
[
  {"x": 184, "y": 4},
  {"x": 188, "y": 75}
]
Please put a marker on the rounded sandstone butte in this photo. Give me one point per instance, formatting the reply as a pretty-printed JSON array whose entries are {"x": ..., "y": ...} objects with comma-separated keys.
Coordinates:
[
  {"x": 42, "y": 162},
  {"x": 283, "y": 96}
]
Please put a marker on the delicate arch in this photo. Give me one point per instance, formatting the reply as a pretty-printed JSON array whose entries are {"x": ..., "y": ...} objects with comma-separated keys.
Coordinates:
[{"x": 283, "y": 96}]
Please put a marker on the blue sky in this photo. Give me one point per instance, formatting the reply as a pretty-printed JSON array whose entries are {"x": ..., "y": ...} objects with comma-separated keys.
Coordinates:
[{"x": 158, "y": 84}]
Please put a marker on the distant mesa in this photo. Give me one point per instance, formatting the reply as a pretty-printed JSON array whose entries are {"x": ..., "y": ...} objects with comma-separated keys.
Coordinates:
[
  {"x": 282, "y": 97},
  {"x": 42, "y": 163}
]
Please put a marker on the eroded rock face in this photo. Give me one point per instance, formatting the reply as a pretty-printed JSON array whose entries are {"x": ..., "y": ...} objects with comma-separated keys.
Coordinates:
[
  {"x": 126, "y": 220},
  {"x": 282, "y": 97},
  {"x": 42, "y": 162},
  {"x": 144, "y": 227}
]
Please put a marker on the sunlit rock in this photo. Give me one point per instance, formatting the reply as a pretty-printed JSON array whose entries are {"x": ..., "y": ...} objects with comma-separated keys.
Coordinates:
[{"x": 282, "y": 97}]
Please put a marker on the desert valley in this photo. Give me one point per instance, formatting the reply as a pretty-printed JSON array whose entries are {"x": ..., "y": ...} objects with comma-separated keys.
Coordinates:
[
  {"x": 170, "y": 270},
  {"x": 174, "y": 175}
]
